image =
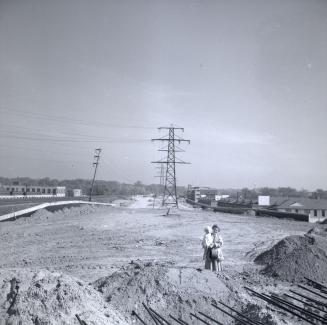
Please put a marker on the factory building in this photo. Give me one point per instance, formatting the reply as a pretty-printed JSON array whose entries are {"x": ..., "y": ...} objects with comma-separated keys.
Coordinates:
[
  {"x": 27, "y": 190},
  {"x": 197, "y": 193}
]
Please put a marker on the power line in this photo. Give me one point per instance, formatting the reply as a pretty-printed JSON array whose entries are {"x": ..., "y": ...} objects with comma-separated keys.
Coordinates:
[
  {"x": 20, "y": 158},
  {"x": 170, "y": 190},
  {"x": 53, "y": 139},
  {"x": 40, "y": 150},
  {"x": 65, "y": 120},
  {"x": 38, "y": 132},
  {"x": 117, "y": 170}
]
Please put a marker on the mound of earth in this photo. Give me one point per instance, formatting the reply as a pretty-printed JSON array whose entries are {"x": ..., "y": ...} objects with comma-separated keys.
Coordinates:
[
  {"x": 296, "y": 257},
  {"x": 42, "y": 215},
  {"x": 170, "y": 290},
  {"x": 43, "y": 297},
  {"x": 319, "y": 231}
]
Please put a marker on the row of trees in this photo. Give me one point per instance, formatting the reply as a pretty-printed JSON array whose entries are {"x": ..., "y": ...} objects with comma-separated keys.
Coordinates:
[
  {"x": 252, "y": 194},
  {"x": 101, "y": 187}
]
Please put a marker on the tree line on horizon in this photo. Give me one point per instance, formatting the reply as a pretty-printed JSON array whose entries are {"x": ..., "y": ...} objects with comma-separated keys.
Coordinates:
[
  {"x": 103, "y": 187},
  {"x": 252, "y": 194}
]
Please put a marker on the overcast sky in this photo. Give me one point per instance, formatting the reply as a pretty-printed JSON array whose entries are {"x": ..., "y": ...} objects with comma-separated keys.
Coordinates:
[{"x": 247, "y": 80}]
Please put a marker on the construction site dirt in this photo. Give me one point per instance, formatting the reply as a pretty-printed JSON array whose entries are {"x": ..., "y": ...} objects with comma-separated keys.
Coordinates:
[{"x": 104, "y": 263}]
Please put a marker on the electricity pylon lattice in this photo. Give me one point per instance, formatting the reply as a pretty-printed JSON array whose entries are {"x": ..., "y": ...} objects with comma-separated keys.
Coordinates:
[
  {"x": 170, "y": 197},
  {"x": 161, "y": 175}
]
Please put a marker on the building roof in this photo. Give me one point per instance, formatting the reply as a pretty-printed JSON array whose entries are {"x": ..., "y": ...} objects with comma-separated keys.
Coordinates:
[
  {"x": 278, "y": 200},
  {"x": 304, "y": 203},
  {"x": 202, "y": 189}
]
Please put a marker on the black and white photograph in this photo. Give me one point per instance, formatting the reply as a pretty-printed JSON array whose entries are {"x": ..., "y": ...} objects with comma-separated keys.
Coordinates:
[{"x": 163, "y": 162}]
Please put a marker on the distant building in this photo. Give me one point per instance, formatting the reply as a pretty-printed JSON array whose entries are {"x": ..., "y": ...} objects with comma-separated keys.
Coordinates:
[
  {"x": 197, "y": 193},
  {"x": 77, "y": 192},
  {"x": 26, "y": 190},
  {"x": 270, "y": 201},
  {"x": 221, "y": 197},
  {"x": 264, "y": 200},
  {"x": 316, "y": 209}
]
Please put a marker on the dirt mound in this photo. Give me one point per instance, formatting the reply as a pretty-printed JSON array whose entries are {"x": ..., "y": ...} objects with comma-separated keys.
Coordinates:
[
  {"x": 75, "y": 211},
  {"x": 168, "y": 290},
  {"x": 45, "y": 297},
  {"x": 319, "y": 231},
  {"x": 42, "y": 215},
  {"x": 296, "y": 257}
]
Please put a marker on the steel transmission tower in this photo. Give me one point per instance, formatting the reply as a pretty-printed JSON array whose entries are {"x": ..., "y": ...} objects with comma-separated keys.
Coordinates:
[
  {"x": 170, "y": 192},
  {"x": 161, "y": 175}
]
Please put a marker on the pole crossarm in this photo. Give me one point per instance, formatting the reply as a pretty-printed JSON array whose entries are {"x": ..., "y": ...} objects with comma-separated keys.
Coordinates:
[
  {"x": 177, "y": 140},
  {"x": 175, "y": 150},
  {"x": 168, "y": 162},
  {"x": 170, "y": 128}
]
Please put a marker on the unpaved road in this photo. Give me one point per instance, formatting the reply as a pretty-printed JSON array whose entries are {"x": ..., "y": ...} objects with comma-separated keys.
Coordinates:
[{"x": 92, "y": 242}]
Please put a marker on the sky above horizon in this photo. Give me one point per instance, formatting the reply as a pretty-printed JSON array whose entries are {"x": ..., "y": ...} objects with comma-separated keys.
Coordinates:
[{"x": 246, "y": 79}]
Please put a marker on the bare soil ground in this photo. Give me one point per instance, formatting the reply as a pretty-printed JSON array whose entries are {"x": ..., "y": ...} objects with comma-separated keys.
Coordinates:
[
  {"x": 16, "y": 204},
  {"x": 136, "y": 254}
]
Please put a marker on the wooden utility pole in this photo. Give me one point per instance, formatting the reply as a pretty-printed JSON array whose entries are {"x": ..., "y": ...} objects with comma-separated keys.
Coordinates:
[{"x": 95, "y": 164}]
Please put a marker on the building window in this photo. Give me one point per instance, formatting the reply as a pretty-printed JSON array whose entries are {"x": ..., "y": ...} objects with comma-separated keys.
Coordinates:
[
  {"x": 296, "y": 211},
  {"x": 33, "y": 190},
  {"x": 49, "y": 190},
  {"x": 315, "y": 213},
  {"x": 27, "y": 190},
  {"x": 43, "y": 190},
  {"x": 38, "y": 190},
  {"x": 8, "y": 188},
  {"x": 323, "y": 213}
]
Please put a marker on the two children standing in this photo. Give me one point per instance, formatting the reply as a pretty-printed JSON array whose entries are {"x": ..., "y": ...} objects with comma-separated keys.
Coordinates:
[{"x": 212, "y": 243}]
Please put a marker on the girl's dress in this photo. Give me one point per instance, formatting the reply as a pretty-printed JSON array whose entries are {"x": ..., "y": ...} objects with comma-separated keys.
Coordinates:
[{"x": 206, "y": 243}]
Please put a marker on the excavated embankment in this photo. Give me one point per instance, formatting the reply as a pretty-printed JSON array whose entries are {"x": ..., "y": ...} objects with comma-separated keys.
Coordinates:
[{"x": 296, "y": 257}]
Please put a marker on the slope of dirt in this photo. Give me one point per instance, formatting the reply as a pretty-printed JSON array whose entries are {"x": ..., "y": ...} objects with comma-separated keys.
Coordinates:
[
  {"x": 296, "y": 257},
  {"x": 320, "y": 230},
  {"x": 43, "y": 297},
  {"x": 174, "y": 290}
]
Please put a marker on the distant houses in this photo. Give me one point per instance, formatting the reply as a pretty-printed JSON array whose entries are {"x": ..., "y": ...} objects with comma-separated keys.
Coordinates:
[
  {"x": 301, "y": 209},
  {"x": 315, "y": 209}
]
